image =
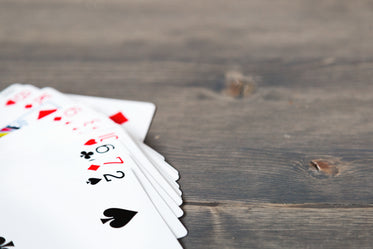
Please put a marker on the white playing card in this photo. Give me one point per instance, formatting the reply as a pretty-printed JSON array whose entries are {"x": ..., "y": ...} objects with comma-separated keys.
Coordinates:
[
  {"x": 178, "y": 230},
  {"x": 67, "y": 213},
  {"x": 7, "y": 92},
  {"x": 160, "y": 165},
  {"x": 138, "y": 114},
  {"x": 111, "y": 151},
  {"x": 65, "y": 117},
  {"x": 48, "y": 101},
  {"x": 91, "y": 119},
  {"x": 163, "y": 187},
  {"x": 160, "y": 160},
  {"x": 12, "y": 101},
  {"x": 166, "y": 188},
  {"x": 157, "y": 180},
  {"x": 41, "y": 104}
]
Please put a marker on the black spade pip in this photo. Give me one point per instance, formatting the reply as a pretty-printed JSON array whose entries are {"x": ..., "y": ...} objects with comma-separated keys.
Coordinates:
[{"x": 118, "y": 217}]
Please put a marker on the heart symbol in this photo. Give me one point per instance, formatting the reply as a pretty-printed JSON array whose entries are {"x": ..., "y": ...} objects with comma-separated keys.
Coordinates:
[
  {"x": 90, "y": 142},
  {"x": 118, "y": 217},
  {"x": 93, "y": 181},
  {"x": 10, "y": 102}
]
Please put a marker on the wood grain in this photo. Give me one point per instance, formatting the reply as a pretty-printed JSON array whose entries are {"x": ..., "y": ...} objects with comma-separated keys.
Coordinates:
[
  {"x": 239, "y": 225},
  {"x": 245, "y": 161}
]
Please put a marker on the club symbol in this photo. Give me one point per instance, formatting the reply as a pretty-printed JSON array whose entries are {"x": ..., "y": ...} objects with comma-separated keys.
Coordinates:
[
  {"x": 93, "y": 181},
  {"x": 86, "y": 155},
  {"x": 118, "y": 217},
  {"x": 7, "y": 245}
]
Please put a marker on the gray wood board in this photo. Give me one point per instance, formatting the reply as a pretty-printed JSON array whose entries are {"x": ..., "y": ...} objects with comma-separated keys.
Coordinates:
[
  {"x": 244, "y": 162},
  {"x": 232, "y": 225}
]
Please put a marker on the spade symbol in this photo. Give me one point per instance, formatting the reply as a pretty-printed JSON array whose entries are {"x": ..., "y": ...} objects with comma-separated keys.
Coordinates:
[
  {"x": 93, "y": 181},
  {"x": 5, "y": 246},
  {"x": 118, "y": 217}
]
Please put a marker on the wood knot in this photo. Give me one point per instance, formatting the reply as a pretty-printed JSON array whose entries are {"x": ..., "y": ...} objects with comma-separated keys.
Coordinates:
[
  {"x": 238, "y": 85},
  {"x": 328, "y": 167}
]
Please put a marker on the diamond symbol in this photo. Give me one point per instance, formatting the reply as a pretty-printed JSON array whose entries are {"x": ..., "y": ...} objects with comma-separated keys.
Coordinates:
[
  {"x": 119, "y": 118},
  {"x": 94, "y": 167}
]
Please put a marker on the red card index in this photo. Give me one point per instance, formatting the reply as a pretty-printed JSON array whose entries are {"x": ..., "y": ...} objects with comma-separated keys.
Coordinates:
[
  {"x": 91, "y": 142},
  {"x": 44, "y": 113},
  {"x": 10, "y": 102},
  {"x": 119, "y": 118},
  {"x": 94, "y": 167}
]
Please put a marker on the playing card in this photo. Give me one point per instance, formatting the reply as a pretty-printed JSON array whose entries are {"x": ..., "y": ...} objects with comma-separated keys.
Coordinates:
[
  {"x": 70, "y": 213},
  {"x": 109, "y": 154},
  {"x": 37, "y": 106},
  {"x": 56, "y": 100},
  {"x": 139, "y": 113},
  {"x": 86, "y": 119},
  {"x": 42, "y": 103},
  {"x": 157, "y": 178},
  {"x": 157, "y": 158},
  {"x": 158, "y": 181},
  {"x": 135, "y": 116},
  {"x": 166, "y": 190},
  {"x": 12, "y": 101},
  {"x": 79, "y": 120}
]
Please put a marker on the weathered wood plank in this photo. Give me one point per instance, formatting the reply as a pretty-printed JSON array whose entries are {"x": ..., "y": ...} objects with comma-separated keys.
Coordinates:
[
  {"x": 235, "y": 225},
  {"x": 203, "y": 31}
]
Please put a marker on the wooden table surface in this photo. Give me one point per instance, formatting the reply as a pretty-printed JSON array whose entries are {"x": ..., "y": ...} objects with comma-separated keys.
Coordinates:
[{"x": 265, "y": 107}]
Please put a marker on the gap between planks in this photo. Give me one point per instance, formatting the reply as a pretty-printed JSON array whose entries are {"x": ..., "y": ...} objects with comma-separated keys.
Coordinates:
[{"x": 239, "y": 204}]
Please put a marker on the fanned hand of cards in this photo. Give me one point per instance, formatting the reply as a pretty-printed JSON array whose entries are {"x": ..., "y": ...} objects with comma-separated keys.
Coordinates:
[{"x": 76, "y": 174}]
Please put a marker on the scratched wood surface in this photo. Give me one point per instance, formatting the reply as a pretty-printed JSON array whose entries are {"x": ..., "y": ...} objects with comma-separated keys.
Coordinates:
[{"x": 265, "y": 107}]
